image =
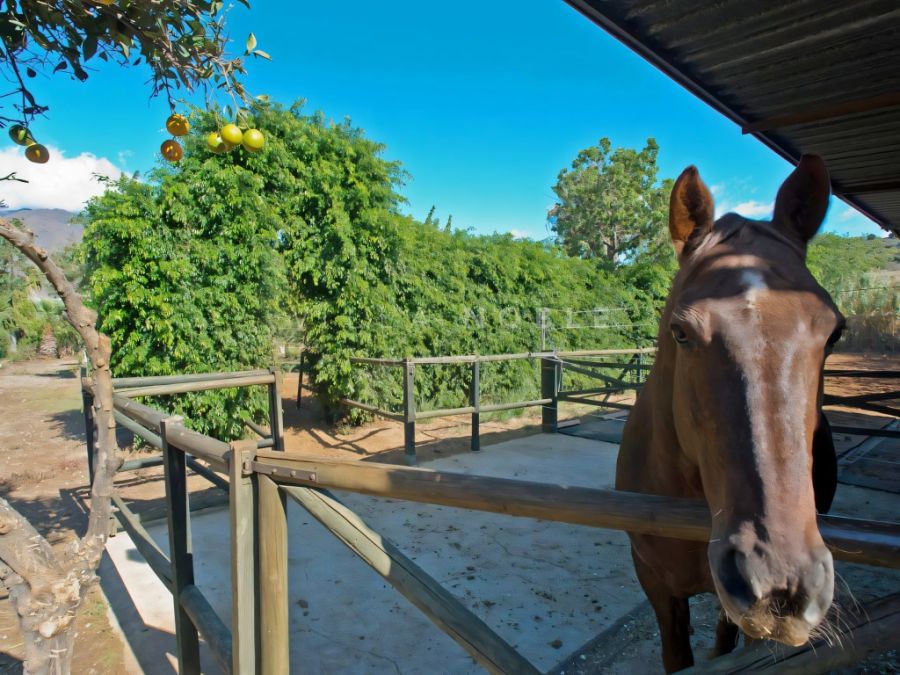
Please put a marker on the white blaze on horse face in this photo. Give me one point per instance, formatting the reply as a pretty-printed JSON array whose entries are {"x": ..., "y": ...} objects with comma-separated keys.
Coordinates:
[
  {"x": 754, "y": 283},
  {"x": 755, "y": 350}
]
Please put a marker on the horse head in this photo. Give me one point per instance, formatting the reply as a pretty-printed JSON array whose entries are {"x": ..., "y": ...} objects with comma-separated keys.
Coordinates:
[{"x": 744, "y": 339}]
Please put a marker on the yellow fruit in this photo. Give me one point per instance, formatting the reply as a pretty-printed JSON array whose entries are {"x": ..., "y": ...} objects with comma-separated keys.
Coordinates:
[
  {"x": 20, "y": 135},
  {"x": 253, "y": 140},
  {"x": 171, "y": 150},
  {"x": 231, "y": 134},
  {"x": 177, "y": 125},
  {"x": 215, "y": 143},
  {"x": 37, "y": 153}
]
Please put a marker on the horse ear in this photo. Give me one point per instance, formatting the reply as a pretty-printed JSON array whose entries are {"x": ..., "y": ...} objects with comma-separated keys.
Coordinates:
[
  {"x": 803, "y": 198},
  {"x": 691, "y": 211}
]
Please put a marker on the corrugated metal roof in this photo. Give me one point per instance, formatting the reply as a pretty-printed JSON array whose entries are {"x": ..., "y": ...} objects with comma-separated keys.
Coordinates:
[{"x": 803, "y": 76}]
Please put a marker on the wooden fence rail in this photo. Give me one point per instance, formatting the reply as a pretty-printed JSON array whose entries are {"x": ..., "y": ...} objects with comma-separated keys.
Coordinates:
[{"x": 590, "y": 362}]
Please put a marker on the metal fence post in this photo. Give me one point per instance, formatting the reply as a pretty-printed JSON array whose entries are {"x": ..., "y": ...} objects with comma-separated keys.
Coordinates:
[
  {"x": 276, "y": 414},
  {"x": 275, "y": 655},
  {"x": 242, "y": 505},
  {"x": 551, "y": 373},
  {"x": 475, "y": 398},
  {"x": 409, "y": 411},
  {"x": 178, "y": 511}
]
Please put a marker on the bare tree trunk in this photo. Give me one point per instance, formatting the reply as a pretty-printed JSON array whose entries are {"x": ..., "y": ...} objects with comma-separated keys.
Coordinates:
[{"x": 47, "y": 587}]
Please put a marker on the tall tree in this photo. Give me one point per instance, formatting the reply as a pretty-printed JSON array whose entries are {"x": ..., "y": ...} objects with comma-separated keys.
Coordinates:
[
  {"x": 610, "y": 205},
  {"x": 183, "y": 43}
]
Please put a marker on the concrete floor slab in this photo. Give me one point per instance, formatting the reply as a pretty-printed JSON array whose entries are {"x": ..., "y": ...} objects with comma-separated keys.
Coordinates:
[{"x": 546, "y": 588}]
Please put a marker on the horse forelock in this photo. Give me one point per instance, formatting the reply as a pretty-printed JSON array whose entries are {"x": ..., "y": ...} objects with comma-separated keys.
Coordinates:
[{"x": 731, "y": 224}]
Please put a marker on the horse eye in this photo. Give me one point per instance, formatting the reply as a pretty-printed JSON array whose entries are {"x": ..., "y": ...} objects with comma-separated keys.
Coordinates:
[{"x": 679, "y": 334}]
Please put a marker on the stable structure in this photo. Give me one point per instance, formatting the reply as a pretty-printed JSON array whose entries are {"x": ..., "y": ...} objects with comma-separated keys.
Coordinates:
[{"x": 807, "y": 76}]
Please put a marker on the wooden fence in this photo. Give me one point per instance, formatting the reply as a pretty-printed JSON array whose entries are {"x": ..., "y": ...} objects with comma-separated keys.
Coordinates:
[
  {"x": 593, "y": 363},
  {"x": 258, "y": 478}
]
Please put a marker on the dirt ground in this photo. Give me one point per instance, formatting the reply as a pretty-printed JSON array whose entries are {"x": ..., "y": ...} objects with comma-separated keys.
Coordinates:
[{"x": 43, "y": 473}]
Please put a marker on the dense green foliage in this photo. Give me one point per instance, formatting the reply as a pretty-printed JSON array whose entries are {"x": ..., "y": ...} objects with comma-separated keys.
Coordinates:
[
  {"x": 184, "y": 273},
  {"x": 198, "y": 268},
  {"x": 851, "y": 269},
  {"x": 610, "y": 205},
  {"x": 26, "y": 308}
]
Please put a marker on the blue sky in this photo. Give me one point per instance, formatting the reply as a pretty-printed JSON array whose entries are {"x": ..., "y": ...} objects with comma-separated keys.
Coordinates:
[{"x": 482, "y": 102}]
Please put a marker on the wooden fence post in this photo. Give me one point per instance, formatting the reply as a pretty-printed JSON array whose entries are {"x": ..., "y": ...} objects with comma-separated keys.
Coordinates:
[
  {"x": 87, "y": 402},
  {"x": 276, "y": 414},
  {"x": 242, "y": 505},
  {"x": 300, "y": 380},
  {"x": 475, "y": 399},
  {"x": 275, "y": 655},
  {"x": 409, "y": 411},
  {"x": 178, "y": 510},
  {"x": 551, "y": 373}
]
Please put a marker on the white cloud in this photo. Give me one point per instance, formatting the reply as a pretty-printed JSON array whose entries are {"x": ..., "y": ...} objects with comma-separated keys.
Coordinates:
[
  {"x": 62, "y": 183},
  {"x": 754, "y": 209},
  {"x": 519, "y": 234}
]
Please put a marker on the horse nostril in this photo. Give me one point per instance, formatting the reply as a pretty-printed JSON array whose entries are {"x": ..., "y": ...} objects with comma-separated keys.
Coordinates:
[
  {"x": 819, "y": 586},
  {"x": 738, "y": 580}
]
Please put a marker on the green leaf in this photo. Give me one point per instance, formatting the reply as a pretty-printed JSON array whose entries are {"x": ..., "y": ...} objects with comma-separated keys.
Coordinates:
[
  {"x": 260, "y": 53},
  {"x": 251, "y": 43}
]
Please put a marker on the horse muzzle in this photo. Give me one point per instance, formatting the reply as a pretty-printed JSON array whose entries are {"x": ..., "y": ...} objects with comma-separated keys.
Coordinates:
[{"x": 770, "y": 597}]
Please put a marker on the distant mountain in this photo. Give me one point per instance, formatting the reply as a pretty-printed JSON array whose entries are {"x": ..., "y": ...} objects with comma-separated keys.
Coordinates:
[{"x": 52, "y": 227}]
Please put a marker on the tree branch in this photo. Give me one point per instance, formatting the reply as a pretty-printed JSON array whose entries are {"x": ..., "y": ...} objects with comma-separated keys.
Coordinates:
[{"x": 47, "y": 588}]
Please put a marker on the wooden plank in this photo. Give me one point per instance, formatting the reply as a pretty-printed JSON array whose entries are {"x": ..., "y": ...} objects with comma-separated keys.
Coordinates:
[
  {"x": 209, "y": 449},
  {"x": 824, "y": 112},
  {"x": 409, "y": 412},
  {"x": 147, "y": 417},
  {"x": 138, "y": 430},
  {"x": 865, "y": 431},
  {"x": 209, "y": 475},
  {"x": 142, "y": 463},
  {"x": 871, "y": 542},
  {"x": 444, "y": 412},
  {"x": 475, "y": 400},
  {"x": 551, "y": 375},
  {"x": 186, "y": 638},
  {"x": 260, "y": 431},
  {"x": 372, "y": 409},
  {"x": 496, "y": 407},
  {"x": 875, "y": 628},
  {"x": 244, "y": 598},
  {"x": 204, "y": 385},
  {"x": 873, "y": 374},
  {"x": 87, "y": 403},
  {"x": 273, "y": 578},
  {"x": 854, "y": 189},
  {"x": 521, "y": 356},
  {"x": 209, "y": 625},
  {"x": 439, "y": 605},
  {"x": 377, "y": 362},
  {"x": 122, "y": 382},
  {"x": 276, "y": 413}
]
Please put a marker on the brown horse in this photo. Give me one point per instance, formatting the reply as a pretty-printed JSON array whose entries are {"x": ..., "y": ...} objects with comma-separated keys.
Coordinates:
[{"x": 731, "y": 414}]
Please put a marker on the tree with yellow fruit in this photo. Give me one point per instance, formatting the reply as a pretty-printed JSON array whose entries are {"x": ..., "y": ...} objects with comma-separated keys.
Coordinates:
[{"x": 184, "y": 46}]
